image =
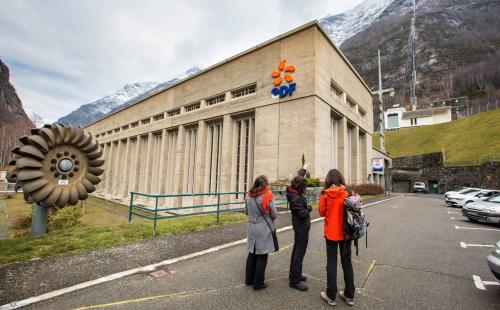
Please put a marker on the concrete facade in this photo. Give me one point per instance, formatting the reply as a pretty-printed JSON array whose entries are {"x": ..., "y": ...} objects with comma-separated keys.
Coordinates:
[{"x": 218, "y": 129}]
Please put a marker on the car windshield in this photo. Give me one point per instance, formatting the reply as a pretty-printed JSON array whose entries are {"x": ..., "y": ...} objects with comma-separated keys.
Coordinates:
[
  {"x": 419, "y": 184},
  {"x": 470, "y": 191},
  {"x": 495, "y": 198}
]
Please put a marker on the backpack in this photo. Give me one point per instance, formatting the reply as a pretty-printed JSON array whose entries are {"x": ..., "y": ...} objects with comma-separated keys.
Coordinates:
[{"x": 355, "y": 223}]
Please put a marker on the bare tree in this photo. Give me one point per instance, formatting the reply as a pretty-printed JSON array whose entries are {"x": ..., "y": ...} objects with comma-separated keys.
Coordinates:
[{"x": 37, "y": 119}]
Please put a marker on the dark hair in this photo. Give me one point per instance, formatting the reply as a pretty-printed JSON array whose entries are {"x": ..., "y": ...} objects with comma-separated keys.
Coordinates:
[
  {"x": 334, "y": 177},
  {"x": 259, "y": 185},
  {"x": 299, "y": 184}
]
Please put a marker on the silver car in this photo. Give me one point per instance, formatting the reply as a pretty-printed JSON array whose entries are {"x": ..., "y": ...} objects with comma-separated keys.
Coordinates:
[
  {"x": 494, "y": 261},
  {"x": 487, "y": 210}
]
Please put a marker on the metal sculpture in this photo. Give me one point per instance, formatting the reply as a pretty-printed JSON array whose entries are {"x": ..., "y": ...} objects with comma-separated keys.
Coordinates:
[{"x": 56, "y": 165}]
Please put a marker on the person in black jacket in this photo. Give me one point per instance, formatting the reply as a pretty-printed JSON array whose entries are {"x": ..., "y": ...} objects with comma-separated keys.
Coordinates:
[{"x": 301, "y": 222}]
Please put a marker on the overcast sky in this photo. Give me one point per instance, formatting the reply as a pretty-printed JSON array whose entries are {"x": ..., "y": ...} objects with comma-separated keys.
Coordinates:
[{"x": 63, "y": 54}]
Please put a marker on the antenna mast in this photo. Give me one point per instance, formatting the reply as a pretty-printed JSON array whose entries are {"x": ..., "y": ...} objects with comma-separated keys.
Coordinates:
[{"x": 413, "y": 98}]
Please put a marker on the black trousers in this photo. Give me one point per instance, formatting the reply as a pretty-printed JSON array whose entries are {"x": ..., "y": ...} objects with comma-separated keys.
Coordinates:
[
  {"x": 331, "y": 268},
  {"x": 256, "y": 269},
  {"x": 301, "y": 239}
]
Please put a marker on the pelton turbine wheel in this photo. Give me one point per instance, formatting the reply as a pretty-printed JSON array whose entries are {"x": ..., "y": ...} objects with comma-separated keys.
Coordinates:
[{"x": 57, "y": 165}]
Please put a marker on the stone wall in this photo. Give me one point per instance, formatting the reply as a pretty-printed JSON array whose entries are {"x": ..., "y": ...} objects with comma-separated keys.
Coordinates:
[{"x": 429, "y": 167}]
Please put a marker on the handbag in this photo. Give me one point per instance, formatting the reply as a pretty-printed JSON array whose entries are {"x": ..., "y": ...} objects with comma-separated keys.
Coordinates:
[{"x": 273, "y": 231}]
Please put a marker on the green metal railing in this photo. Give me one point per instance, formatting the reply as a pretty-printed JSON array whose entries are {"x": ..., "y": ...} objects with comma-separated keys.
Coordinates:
[{"x": 160, "y": 212}]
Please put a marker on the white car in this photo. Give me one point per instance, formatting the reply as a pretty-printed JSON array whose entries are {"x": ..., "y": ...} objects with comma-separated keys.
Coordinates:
[
  {"x": 471, "y": 195},
  {"x": 458, "y": 191},
  {"x": 487, "y": 211}
]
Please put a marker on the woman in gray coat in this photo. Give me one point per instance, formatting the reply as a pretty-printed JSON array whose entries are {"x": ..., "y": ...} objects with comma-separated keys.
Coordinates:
[{"x": 259, "y": 239}]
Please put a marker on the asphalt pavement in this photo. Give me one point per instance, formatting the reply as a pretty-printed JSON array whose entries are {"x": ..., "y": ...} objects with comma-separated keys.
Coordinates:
[{"x": 414, "y": 260}]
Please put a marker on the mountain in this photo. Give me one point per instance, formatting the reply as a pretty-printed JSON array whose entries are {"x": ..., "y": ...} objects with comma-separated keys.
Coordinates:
[
  {"x": 125, "y": 96},
  {"x": 13, "y": 119},
  {"x": 457, "y": 47},
  {"x": 341, "y": 27}
]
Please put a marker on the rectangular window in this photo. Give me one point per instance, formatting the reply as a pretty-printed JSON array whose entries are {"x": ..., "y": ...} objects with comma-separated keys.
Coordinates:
[
  {"x": 134, "y": 124},
  {"x": 214, "y": 147},
  {"x": 159, "y": 117},
  {"x": 351, "y": 102},
  {"x": 244, "y": 91},
  {"x": 174, "y": 112},
  {"x": 109, "y": 132},
  {"x": 125, "y": 127},
  {"x": 335, "y": 88},
  {"x": 117, "y": 129},
  {"x": 244, "y": 140},
  {"x": 145, "y": 121},
  {"x": 216, "y": 99},
  {"x": 192, "y": 107},
  {"x": 361, "y": 111}
]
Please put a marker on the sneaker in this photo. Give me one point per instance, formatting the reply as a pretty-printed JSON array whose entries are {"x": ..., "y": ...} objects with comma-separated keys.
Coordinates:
[
  {"x": 327, "y": 299},
  {"x": 348, "y": 301},
  {"x": 301, "y": 286}
]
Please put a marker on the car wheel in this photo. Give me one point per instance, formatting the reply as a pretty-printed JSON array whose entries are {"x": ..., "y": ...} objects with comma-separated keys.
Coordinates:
[{"x": 472, "y": 220}]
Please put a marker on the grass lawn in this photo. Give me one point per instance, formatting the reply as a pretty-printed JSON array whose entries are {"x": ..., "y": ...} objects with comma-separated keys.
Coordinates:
[
  {"x": 99, "y": 228},
  {"x": 470, "y": 138}
]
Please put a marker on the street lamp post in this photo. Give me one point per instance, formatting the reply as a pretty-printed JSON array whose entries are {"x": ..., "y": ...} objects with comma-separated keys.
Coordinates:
[{"x": 379, "y": 93}]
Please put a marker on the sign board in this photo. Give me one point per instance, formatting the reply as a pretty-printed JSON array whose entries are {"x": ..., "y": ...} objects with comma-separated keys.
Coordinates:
[
  {"x": 283, "y": 74},
  {"x": 378, "y": 165}
]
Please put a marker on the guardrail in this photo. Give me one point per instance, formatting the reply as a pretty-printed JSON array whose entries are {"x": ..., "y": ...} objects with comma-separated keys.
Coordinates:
[{"x": 160, "y": 212}]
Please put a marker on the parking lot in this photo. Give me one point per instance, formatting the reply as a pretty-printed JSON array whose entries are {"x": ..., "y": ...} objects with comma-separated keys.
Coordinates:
[{"x": 420, "y": 255}]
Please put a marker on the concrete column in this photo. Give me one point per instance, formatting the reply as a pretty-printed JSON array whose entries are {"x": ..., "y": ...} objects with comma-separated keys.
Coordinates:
[
  {"x": 110, "y": 169},
  {"x": 201, "y": 149},
  {"x": 355, "y": 156},
  {"x": 126, "y": 170},
  {"x": 163, "y": 162},
  {"x": 101, "y": 186},
  {"x": 363, "y": 158},
  {"x": 135, "y": 165},
  {"x": 343, "y": 161},
  {"x": 226, "y": 154},
  {"x": 148, "y": 164},
  {"x": 116, "y": 182}
]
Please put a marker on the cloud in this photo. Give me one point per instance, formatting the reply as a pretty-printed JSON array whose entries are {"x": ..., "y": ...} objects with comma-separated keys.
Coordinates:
[{"x": 63, "y": 54}]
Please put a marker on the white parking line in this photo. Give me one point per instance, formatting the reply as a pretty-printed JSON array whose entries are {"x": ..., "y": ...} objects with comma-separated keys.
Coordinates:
[
  {"x": 480, "y": 284},
  {"x": 450, "y": 212},
  {"x": 456, "y": 218},
  {"x": 476, "y": 228},
  {"x": 465, "y": 245}
]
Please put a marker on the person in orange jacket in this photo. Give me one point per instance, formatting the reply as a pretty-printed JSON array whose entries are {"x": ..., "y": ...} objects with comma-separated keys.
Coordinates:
[{"x": 331, "y": 207}]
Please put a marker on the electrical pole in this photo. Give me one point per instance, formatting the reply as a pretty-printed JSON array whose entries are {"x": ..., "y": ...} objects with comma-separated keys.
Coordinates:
[{"x": 379, "y": 93}]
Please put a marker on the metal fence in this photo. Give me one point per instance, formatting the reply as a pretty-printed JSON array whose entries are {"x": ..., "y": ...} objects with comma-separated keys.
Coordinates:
[{"x": 222, "y": 202}]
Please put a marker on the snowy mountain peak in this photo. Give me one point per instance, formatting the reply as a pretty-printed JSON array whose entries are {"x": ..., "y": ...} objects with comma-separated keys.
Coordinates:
[
  {"x": 128, "y": 94},
  {"x": 341, "y": 27}
]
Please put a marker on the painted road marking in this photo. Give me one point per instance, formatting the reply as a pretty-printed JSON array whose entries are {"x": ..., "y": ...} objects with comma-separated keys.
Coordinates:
[
  {"x": 456, "y": 218},
  {"x": 480, "y": 284},
  {"x": 476, "y": 228},
  {"x": 465, "y": 245},
  {"x": 450, "y": 212},
  {"x": 148, "y": 268}
]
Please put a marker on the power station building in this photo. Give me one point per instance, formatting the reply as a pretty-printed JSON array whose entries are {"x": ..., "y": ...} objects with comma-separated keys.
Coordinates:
[{"x": 258, "y": 112}]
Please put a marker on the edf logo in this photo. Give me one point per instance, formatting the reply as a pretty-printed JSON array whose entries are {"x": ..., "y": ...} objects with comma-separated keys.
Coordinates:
[{"x": 283, "y": 90}]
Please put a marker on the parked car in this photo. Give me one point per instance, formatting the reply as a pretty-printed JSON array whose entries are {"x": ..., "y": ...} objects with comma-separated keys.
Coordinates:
[
  {"x": 494, "y": 261},
  {"x": 487, "y": 210},
  {"x": 458, "y": 191},
  {"x": 459, "y": 200},
  {"x": 419, "y": 187}
]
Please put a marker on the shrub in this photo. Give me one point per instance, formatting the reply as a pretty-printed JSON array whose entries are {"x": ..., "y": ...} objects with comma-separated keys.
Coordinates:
[
  {"x": 65, "y": 218},
  {"x": 313, "y": 182},
  {"x": 24, "y": 220},
  {"x": 368, "y": 189}
]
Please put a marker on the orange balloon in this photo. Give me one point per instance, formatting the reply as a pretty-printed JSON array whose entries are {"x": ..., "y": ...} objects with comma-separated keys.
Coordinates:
[
  {"x": 278, "y": 81},
  {"x": 281, "y": 65},
  {"x": 275, "y": 73},
  {"x": 290, "y": 68},
  {"x": 288, "y": 77}
]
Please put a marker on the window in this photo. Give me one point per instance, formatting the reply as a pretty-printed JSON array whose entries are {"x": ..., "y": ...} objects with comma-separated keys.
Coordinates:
[
  {"x": 413, "y": 121},
  {"x": 97, "y": 135},
  {"x": 244, "y": 91},
  {"x": 335, "y": 88},
  {"x": 216, "y": 99},
  {"x": 192, "y": 107},
  {"x": 174, "y": 112},
  {"x": 392, "y": 120},
  {"x": 351, "y": 102},
  {"x": 109, "y": 132},
  {"x": 117, "y": 129},
  {"x": 125, "y": 127},
  {"x": 244, "y": 142},
  {"x": 134, "y": 124},
  {"x": 158, "y": 117},
  {"x": 145, "y": 121},
  {"x": 214, "y": 144},
  {"x": 361, "y": 111}
]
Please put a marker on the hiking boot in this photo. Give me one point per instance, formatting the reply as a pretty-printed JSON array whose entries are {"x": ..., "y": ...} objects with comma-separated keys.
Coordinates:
[
  {"x": 327, "y": 299},
  {"x": 261, "y": 287},
  {"x": 301, "y": 286},
  {"x": 348, "y": 301}
]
